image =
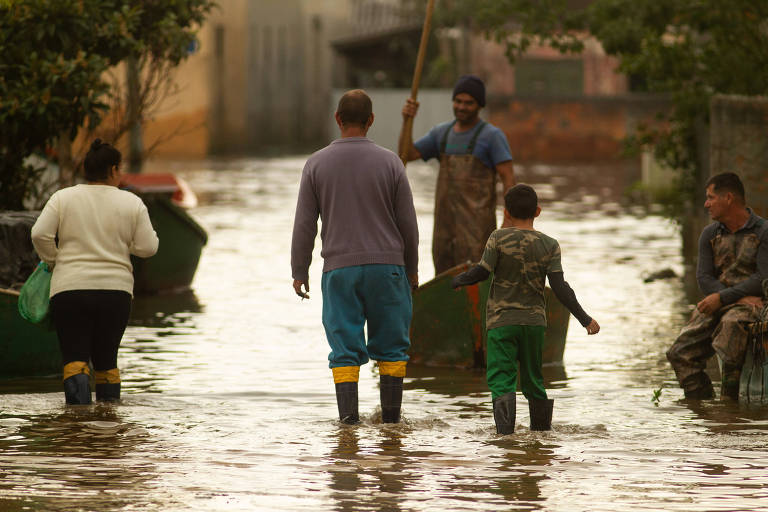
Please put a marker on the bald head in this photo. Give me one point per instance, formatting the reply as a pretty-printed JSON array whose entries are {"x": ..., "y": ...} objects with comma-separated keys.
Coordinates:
[{"x": 355, "y": 108}]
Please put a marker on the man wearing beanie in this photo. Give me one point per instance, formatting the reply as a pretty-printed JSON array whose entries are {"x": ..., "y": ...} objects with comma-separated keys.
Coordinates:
[{"x": 471, "y": 153}]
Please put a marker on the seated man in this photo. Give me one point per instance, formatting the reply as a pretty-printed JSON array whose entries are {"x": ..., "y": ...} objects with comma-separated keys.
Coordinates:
[{"x": 733, "y": 262}]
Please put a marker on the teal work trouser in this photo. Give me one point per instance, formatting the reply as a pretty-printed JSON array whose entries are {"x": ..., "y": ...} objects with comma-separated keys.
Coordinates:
[
  {"x": 509, "y": 345},
  {"x": 376, "y": 295}
]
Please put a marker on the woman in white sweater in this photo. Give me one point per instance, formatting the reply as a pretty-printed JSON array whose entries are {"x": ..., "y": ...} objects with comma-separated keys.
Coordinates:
[{"x": 86, "y": 234}]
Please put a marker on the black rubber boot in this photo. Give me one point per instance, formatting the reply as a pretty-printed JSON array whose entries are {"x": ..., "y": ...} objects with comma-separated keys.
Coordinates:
[
  {"x": 731, "y": 375},
  {"x": 698, "y": 387},
  {"x": 541, "y": 413},
  {"x": 706, "y": 393},
  {"x": 108, "y": 392},
  {"x": 77, "y": 389},
  {"x": 504, "y": 412},
  {"x": 391, "y": 394},
  {"x": 346, "y": 399}
]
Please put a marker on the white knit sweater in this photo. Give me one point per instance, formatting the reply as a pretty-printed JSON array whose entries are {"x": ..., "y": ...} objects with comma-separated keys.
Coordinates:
[{"x": 99, "y": 227}]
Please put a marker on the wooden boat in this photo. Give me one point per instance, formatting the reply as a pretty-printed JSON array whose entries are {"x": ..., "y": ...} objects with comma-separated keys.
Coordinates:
[
  {"x": 448, "y": 325},
  {"x": 26, "y": 349},
  {"x": 181, "y": 237}
]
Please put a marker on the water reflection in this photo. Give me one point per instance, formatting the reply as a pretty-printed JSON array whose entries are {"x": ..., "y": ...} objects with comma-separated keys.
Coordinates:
[
  {"x": 522, "y": 467},
  {"x": 71, "y": 457},
  {"x": 369, "y": 478},
  {"x": 166, "y": 309}
]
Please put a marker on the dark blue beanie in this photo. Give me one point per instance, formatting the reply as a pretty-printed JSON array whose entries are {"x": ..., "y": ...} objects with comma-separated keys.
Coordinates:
[{"x": 471, "y": 85}]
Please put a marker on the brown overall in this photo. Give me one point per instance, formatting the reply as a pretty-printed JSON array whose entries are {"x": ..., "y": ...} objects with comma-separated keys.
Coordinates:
[
  {"x": 465, "y": 206},
  {"x": 722, "y": 333}
]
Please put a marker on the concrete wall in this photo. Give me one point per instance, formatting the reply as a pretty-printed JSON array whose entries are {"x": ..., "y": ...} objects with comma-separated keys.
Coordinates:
[
  {"x": 434, "y": 107},
  {"x": 739, "y": 143},
  {"x": 260, "y": 82}
]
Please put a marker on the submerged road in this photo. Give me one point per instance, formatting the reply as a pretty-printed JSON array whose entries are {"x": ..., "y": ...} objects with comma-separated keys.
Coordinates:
[{"x": 229, "y": 404}]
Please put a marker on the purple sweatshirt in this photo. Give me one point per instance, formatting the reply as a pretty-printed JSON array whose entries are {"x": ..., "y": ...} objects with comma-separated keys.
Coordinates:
[{"x": 361, "y": 193}]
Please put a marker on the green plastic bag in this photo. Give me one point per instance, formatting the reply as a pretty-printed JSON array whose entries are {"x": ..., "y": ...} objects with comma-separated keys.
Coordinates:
[{"x": 34, "y": 297}]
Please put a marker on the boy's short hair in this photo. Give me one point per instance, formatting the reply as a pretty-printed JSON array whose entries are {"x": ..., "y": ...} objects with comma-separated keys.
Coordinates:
[
  {"x": 727, "y": 182},
  {"x": 521, "y": 201}
]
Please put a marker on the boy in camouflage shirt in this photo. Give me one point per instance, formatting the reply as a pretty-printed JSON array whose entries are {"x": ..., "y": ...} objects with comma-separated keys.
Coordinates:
[{"x": 520, "y": 258}]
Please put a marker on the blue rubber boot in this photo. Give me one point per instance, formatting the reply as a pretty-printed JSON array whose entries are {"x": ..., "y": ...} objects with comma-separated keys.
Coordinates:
[
  {"x": 108, "y": 392},
  {"x": 107, "y": 385},
  {"x": 77, "y": 389}
]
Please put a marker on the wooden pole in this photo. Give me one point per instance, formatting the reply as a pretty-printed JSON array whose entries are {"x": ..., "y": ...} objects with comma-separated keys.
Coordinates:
[{"x": 406, "y": 134}]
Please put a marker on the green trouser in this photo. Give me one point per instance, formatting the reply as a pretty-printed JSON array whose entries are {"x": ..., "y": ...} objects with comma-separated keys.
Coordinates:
[{"x": 506, "y": 346}]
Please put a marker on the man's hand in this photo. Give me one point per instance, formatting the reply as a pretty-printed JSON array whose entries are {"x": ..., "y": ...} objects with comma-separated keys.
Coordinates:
[
  {"x": 751, "y": 300},
  {"x": 297, "y": 288},
  {"x": 593, "y": 327},
  {"x": 410, "y": 108},
  {"x": 709, "y": 304},
  {"x": 414, "y": 280}
]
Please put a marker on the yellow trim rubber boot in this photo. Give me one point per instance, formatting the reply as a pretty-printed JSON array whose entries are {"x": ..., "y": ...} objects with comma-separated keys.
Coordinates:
[
  {"x": 107, "y": 385},
  {"x": 504, "y": 412},
  {"x": 391, "y": 394},
  {"x": 345, "y": 378},
  {"x": 77, "y": 385},
  {"x": 346, "y": 400},
  {"x": 541, "y": 413}
]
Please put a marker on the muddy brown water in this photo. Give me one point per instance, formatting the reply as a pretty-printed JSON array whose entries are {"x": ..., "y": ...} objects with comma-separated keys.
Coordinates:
[{"x": 229, "y": 405}]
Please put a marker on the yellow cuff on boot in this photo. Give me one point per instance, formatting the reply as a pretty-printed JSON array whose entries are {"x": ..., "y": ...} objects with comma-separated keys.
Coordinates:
[
  {"x": 393, "y": 368},
  {"x": 106, "y": 376},
  {"x": 346, "y": 374},
  {"x": 74, "y": 368}
]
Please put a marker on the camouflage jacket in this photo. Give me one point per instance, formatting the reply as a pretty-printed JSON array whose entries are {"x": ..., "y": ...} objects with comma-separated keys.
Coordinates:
[
  {"x": 733, "y": 264},
  {"x": 520, "y": 261}
]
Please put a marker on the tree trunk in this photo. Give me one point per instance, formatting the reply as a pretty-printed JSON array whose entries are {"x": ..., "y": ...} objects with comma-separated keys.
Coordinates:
[{"x": 66, "y": 165}]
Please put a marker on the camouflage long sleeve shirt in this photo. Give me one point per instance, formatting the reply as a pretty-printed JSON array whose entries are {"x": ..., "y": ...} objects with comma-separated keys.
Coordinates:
[
  {"x": 520, "y": 261},
  {"x": 733, "y": 264}
]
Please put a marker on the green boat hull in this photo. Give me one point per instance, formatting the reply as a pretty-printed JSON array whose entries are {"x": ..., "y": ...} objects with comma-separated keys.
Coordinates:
[
  {"x": 182, "y": 240},
  {"x": 448, "y": 325},
  {"x": 26, "y": 349}
]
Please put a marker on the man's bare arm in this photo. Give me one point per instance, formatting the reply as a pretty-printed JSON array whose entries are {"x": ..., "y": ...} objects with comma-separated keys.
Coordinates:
[
  {"x": 410, "y": 109},
  {"x": 506, "y": 173}
]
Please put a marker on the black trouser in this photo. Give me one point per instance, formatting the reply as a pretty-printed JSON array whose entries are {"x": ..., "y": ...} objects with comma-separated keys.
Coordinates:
[{"x": 90, "y": 325}]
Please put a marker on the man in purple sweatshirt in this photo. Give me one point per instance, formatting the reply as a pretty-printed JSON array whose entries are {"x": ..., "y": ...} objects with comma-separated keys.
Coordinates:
[{"x": 370, "y": 251}]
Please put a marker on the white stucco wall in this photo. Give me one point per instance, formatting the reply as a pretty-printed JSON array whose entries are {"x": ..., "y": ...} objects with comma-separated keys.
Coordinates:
[{"x": 435, "y": 107}]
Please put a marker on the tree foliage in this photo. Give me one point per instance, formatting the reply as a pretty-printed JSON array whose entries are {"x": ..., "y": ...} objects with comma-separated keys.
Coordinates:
[
  {"x": 53, "y": 58},
  {"x": 687, "y": 49}
]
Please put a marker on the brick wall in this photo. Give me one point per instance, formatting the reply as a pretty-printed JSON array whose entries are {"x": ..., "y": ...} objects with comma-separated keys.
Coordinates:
[{"x": 584, "y": 129}]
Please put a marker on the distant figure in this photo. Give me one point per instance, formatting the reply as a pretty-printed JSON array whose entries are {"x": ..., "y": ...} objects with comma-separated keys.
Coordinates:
[
  {"x": 471, "y": 153},
  {"x": 521, "y": 259},
  {"x": 98, "y": 227},
  {"x": 733, "y": 262},
  {"x": 370, "y": 239}
]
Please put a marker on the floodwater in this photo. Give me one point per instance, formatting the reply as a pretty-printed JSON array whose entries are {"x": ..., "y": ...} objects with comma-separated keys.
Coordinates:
[{"x": 229, "y": 404}]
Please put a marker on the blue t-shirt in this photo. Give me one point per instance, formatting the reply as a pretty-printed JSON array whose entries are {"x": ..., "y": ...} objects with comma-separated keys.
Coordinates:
[{"x": 491, "y": 146}]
